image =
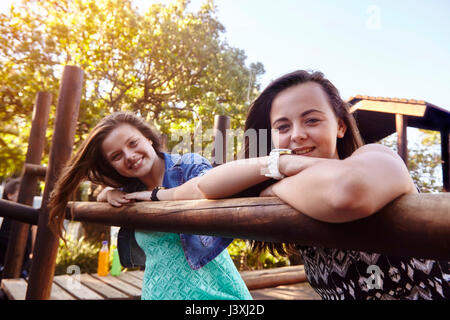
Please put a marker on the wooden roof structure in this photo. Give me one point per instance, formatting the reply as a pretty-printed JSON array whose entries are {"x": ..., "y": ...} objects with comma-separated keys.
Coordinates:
[{"x": 379, "y": 117}]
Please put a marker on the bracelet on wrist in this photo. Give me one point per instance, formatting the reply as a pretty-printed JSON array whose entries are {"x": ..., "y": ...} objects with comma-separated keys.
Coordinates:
[{"x": 154, "y": 196}]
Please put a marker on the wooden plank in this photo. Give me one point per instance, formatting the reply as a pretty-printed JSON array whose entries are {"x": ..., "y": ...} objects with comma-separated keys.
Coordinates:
[
  {"x": 274, "y": 280},
  {"x": 15, "y": 289},
  {"x": 274, "y": 277},
  {"x": 410, "y": 109},
  {"x": 123, "y": 286},
  {"x": 300, "y": 291},
  {"x": 59, "y": 293},
  {"x": 102, "y": 288},
  {"x": 138, "y": 274},
  {"x": 78, "y": 290},
  {"x": 262, "y": 272},
  {"x": 130, "y": 279}
]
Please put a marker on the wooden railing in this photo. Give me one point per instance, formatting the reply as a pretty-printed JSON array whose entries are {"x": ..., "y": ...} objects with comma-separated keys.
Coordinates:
[{"x": 412, "y": 225}]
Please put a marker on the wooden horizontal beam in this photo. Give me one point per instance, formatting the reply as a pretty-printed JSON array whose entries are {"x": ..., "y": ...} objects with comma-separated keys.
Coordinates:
[
  {"x": 268, "y": 278},
  {"x": 412, "y": 225},
  {"x": 19, "y": 212},
  {"x": 35, "y": 170},
  {"x": 409, "y": 109}
]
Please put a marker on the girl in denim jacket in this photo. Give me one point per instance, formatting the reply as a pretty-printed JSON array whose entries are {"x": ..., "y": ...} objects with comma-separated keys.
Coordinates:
[{"x": 124, "y": 153}]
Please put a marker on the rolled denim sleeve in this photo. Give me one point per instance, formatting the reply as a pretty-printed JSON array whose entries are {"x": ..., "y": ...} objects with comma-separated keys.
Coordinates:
[{"x": 195, "y": 165}]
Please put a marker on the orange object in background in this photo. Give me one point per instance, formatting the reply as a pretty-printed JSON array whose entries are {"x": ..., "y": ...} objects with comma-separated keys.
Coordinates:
[{"x": 103, "y": 260}]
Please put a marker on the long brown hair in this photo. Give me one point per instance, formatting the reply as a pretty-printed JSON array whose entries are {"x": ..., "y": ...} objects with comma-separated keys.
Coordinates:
[
  {"x": 90, "y": 164},
  {"x": 258, "y": 118}
]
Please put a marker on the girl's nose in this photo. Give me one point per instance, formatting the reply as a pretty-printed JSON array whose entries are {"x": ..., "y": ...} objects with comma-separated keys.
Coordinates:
[
  {"x": 298, "y": 134},
  {"x": 129, "y": 156}
]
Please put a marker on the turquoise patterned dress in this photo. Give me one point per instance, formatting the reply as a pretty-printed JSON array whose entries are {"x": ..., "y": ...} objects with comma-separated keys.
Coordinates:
[{"x": 168, "y": 276}]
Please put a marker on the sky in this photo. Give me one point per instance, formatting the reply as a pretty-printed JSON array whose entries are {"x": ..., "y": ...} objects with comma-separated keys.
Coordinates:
[
  {"x": 382, "y": 48},
  {"x": 378, "y": 48}
]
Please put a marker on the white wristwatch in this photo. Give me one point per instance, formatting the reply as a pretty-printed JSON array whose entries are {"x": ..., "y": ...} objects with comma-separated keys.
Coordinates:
[{"x": 273, "y": 163}]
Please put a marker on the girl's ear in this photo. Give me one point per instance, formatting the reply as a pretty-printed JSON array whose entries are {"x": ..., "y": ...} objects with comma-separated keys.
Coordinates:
[{"x": 342, "y": 128}]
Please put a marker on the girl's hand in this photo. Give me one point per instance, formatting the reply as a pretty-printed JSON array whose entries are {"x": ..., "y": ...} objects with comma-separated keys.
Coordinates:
[
  {"x": 141, "y": 195},
  {"x": 290, "y": 165},
  {"x": 116, "y": 198}
]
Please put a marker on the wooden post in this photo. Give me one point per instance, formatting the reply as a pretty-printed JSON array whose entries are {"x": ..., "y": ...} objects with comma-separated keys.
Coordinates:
[
  {"x": 36, "y": 142},
  {"x": 219, "y": 154},
  {"x": 46, "y": 247},
  {"x": 445, "y": 154},
  {"x": 401, "y": 123}
]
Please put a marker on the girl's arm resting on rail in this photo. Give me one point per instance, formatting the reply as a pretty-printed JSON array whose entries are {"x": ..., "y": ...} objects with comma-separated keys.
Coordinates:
[
  {"x": 350, "y": 189},
  {"x": 186, "y": 191},
  {"x": 233, "y": 177},
  {"x": 116, "y": 198}
]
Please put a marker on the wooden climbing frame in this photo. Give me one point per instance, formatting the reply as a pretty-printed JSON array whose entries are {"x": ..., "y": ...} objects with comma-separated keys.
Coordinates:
[{"x": 412, "y": 225}]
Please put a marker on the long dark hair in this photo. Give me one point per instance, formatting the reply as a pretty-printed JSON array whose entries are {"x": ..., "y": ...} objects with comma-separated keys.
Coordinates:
[
  {"x": 90, "y": 164},
  {"x": 258, "y": 118}
]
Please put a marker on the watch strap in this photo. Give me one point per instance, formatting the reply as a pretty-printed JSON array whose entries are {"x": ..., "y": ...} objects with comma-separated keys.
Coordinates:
[
  {"x": 154, "y": 193},
  {"x": 273, "y": 163}
]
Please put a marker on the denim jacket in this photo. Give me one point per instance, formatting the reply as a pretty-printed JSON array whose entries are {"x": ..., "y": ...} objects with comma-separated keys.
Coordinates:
[{"x": 198, "y": 249}]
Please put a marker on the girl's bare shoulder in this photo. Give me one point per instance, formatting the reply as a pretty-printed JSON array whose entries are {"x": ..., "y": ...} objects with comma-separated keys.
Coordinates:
[{"x": 376, "y": 147}]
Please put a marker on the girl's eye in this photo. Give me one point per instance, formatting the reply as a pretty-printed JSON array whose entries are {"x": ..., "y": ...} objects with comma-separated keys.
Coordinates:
[
  {"x": 133, "y": 143},
  {"x": 115, "y": 157},
  {"x": 283, "y": 127},
  {"x": 312, "y": 121}
]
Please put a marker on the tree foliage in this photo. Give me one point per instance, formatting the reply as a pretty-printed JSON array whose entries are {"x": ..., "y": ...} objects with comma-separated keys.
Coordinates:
[
  {"x": 424, "y": 159},
  {"x": 169, "y": 64}
]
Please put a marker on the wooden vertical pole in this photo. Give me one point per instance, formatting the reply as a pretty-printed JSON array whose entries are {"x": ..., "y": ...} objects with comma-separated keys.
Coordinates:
[
  {"x": 219, "y": 154},
  {"x": 401, "y": 123},
  {"x": 445, "y": 157},
  {"x": 36, "y": 142},
  {"x": 46, "y": 247}
]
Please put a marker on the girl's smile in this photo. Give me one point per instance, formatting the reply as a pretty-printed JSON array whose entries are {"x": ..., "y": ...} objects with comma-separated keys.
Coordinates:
[
  {"x": 304, "y": 151},
  {"x": 135, "y": 164}
]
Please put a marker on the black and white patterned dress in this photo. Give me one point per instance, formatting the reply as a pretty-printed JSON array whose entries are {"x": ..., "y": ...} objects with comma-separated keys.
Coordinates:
[{"x": 337, "y": 274}]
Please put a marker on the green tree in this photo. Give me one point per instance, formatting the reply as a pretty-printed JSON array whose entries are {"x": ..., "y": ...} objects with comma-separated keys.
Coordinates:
[
  {"x": 424, "y": 159},
  {"x": 169, "y": 64}
]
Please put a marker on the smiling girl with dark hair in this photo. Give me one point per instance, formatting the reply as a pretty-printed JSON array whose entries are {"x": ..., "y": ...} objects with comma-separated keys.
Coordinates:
[{"x": 319, "y": 165}]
